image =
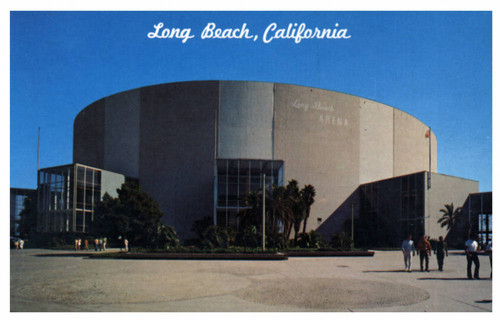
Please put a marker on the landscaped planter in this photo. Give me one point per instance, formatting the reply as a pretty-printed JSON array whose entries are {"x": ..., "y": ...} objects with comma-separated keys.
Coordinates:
[
  {"x": 330, "y": 253},
  {"x": 196, "y": 256}
]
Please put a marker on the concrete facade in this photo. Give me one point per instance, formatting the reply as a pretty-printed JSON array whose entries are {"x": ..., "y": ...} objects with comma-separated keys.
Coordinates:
[
  {"x": 169, "y": 136},
  {"x": 445, "y": 190}
]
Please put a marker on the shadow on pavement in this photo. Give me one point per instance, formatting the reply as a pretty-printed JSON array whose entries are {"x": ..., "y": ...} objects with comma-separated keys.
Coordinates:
[
  {"x": 465, "y": 278},
  {"x": 63, "y": 255},
  {"x": 484, "y": 301},
  {"x": 383, "y": 271}
]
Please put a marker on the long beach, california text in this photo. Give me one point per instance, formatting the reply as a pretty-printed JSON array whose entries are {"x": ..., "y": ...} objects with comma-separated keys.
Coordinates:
[{"x": 293, "y": 31}]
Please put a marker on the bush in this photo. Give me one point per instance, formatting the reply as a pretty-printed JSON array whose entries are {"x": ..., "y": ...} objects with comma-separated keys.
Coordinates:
[
  {"x": 313, "y": 239},
  {"x": 249, "y": 237},
  {"x": 167, "y": 237},
  {"x": 201, "y": 225},
  {"x": 277, "y": 241},
  {"x": 216, "y": 237},
  {"x": 342, "y": 241}
]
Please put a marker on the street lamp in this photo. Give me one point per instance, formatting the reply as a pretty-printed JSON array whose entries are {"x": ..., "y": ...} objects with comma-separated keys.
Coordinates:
[{"x": 263, "y": 212}]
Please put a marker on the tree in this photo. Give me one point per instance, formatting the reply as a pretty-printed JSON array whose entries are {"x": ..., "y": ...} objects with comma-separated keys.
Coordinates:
[
  {"x": 307, "y": 194},
  {"x": 134, "y": 214},
  {"x": 28, "y": 217},
  {"x": 297, "y": 207},
  {"x": 285, "y": 206},
  {"x": 449, "y": 217}
]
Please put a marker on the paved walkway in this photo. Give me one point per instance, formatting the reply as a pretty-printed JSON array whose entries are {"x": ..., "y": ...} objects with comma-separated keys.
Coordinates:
[{"x": 43, "y": 282}]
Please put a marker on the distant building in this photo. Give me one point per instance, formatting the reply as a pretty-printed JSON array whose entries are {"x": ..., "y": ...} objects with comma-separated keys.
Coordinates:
[{"x": 17, "y": 197}]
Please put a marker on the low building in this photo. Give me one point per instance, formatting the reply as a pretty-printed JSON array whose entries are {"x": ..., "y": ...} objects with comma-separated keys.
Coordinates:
[
  {"x": 67, "y": 196},
  {"x": 386, "y": 211}
]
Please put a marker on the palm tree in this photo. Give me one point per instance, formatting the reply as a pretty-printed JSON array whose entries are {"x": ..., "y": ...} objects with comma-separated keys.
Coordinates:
[
  {"x": 295, "y": 203},
  {"x": 287, "y": 206},
  {"x": 449, "y": 217},
  {"x": 307, "y": 194},
  {"x": 279, "y": 208},
  {"x": 250, "y": 215}
]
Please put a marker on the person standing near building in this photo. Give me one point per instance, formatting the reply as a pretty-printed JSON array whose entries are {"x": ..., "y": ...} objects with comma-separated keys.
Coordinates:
[
  {"x": 424, "y": 250},
  {"x": 96, "y": 244},
  {"x": 440, "y": 252},
  {"x": 471, "y": 249},
  {"x": 125, "y": 244},
  {"x": 408, "y": 249},
  {"x": 86, "y": 243},
  {"x": 489, "y": 251},
  {"x": 21, "y": 244}
]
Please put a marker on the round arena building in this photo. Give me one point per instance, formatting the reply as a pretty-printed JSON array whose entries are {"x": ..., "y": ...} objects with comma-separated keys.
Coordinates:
[{"x": 197, "y": 147}]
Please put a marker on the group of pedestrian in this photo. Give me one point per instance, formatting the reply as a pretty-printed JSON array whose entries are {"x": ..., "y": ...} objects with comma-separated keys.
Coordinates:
[
  {"x": 100, "y": 244},
  {"x": 424, "y": 250},
  {"x": 19, "y": 244}
]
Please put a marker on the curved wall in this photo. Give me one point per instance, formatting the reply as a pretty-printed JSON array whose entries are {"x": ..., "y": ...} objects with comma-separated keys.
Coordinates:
[{"x": 168, "y": 136}]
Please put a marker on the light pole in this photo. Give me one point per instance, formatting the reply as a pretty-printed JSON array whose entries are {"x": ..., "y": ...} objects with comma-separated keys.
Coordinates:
[
  {"x": 263, "y": 212},
  {"x": 352, "y": 225}
]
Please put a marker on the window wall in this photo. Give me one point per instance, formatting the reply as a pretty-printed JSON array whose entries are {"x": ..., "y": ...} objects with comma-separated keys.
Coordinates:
[
  {"x": 235, "y": 178},
  {"x": 478, "y": 211},
  {"x": 66, "y": 204},
  {"x": 391, "y": 209}
]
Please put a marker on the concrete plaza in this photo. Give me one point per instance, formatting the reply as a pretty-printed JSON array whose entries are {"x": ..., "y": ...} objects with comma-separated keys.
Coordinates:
[{"x": 43, "y": 281}]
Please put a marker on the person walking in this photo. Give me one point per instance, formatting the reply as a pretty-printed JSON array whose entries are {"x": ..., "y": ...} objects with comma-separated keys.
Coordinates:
[
  {"x": 86, "y": 243},
  {"x": 489, "y": 251},
  {"x": 424, "y": 250},
  {"x": 96, "y": 244},
  {"x": 408, "y": 249},
  {"x": 471, "y": 249},
  {"x": 21, "y": 244},
  {"x": 440, "y": 252},
  {"x": 125, "y": 244}
]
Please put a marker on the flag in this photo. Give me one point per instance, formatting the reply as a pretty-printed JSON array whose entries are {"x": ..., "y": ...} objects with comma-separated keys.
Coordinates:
[{"x": 428, "y": 133}]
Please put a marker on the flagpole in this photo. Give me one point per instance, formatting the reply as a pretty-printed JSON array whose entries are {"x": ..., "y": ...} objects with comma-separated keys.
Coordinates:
[
  {"x": 430, "y": 162},
  {"x": 38, "y": 153}
]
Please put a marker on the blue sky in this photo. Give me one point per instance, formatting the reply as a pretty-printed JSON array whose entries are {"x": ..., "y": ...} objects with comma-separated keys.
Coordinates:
[{"x": 437, "y": 66}]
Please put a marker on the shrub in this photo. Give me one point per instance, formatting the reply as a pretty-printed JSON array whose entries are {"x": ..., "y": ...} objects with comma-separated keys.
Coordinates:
[
  {"x": 313, "y": 239},
  {"x": 201, "y": 225},
  {"x": 342, "y": 241},
  {"x": 216, "y": 237},
  {"x": 249, "y": 237},
  {"x": 167, "y": 237},
  {"x": 277, "y": 241}
]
